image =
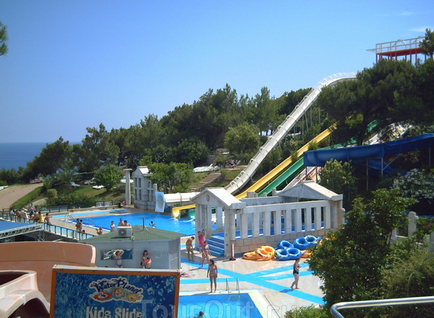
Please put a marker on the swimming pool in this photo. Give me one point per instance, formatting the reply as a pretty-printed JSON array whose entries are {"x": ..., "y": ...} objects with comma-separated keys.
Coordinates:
[
  {"x": 218, "y": 305},
  {"x": 164, "y": 222}
]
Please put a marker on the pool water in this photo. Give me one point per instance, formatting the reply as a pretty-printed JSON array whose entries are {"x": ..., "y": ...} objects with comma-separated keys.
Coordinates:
[
  {"x": 218, "y": 305},
  {"x": 164, "y": 222}
]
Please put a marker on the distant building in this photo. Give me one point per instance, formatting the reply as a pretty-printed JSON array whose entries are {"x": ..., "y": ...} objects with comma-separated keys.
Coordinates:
[{"x": 144, "y": 189}]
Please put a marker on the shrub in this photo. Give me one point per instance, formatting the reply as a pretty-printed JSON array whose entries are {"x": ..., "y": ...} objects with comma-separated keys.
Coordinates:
[
  {"x": 73, "y": 199},
  {"x": 51, "y": 193},
  {"x": 307, "y": 312}
]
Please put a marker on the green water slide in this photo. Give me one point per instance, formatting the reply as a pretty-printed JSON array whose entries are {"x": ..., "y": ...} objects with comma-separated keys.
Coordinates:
[{"x": 292, "y": 171}]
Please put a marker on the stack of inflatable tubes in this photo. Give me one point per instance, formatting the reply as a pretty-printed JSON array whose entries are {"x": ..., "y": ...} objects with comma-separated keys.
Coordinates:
[
  {"x": 284, "y": 244},
  {"x": 287, "y": 251},
  {"x": 264, "y": 253},
  {"x": 305, "y": 242},
  {"x": 286, "y": 254}
]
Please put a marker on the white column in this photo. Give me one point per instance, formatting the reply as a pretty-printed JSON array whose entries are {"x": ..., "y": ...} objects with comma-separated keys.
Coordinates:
[
  {"x": 277, "y": 222},
  {"x": 244, "y": 225},
  {"x": 255, "y": 225},
  {"x": 219, "y": 218},
  {"x": 308, "y": 219},
  {"x": 318, "y": 218},
  {"x": 208, "y": 221},
  {"x": 127, "y": 186},
  {"x": 266, "y": 224},
  {"x": 229, "y": 230},
  {"x": 412, "y": 218},
  {"x": 327, "y": 217},
  {"x": 298, "y": 224},
  {"x": 197, "y": 223}
]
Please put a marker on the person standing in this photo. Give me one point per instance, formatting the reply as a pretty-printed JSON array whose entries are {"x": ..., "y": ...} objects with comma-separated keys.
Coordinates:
[
  {"x": 205, "y": 253},
  {"x": 79, "y": 226},
  {"x": 212, "y": 274},
  {"x": 112, "y": 226},
  {"x": 296, "y": 273},
  {"x": 189, "y": 246},
  {"x": 201, "y": 237},
  {"x": 48, "y": 218},
  {"x": 118, "y": 257}
]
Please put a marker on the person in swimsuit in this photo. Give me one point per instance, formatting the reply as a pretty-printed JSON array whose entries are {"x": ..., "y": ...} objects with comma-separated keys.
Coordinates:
[
  {"x": 212, "y": 274},
  {"x": 201, "y": 237},
  {"x": 144, "y": 256},
  {"x": 112, "y": 226},
  {"x": 205, "y": 253},
  {"x": 118, "y": 257},
  {"x": 296, "y": 273},
  {"x": 189, "y": 246}
]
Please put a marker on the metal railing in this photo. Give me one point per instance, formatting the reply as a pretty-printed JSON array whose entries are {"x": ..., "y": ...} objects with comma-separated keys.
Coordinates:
[
  {"x": 66, "y": 208},
  {"x": 237, "y": 286},
  {"x": 59, "y": 230},
  {"x": 63, "y": 231},
  {"x": 378, "y": 303}
]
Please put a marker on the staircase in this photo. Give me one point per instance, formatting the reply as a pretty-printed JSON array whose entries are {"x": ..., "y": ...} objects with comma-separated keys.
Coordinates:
[
  {"x": 216, "y": 245},
  {"x": 205, "y": 181}
]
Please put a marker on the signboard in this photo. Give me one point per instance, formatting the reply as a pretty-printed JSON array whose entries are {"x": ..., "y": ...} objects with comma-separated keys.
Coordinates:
[{"x": 92, "y": 292}]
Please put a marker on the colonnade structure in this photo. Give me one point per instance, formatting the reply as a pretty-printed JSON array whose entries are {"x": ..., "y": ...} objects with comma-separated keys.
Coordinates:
[{"x": 248, "y": 223}]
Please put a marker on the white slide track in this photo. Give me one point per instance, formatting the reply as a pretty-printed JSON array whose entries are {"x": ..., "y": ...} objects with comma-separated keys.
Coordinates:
[{"x": 284, "y": 128}]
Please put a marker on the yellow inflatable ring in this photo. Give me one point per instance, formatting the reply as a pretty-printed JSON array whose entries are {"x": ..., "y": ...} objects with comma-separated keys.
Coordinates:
[
  {"x": 250, "y": 256},
  {"x": 306, "y": 254},
  {"x": 269, "y": 249},
  {"x": 263, "y": 254}
]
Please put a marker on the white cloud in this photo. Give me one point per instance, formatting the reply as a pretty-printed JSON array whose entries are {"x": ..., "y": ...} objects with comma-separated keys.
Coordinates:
[
  {"x": 420, "y": 29},
  {"x": 406, "y": 13}
]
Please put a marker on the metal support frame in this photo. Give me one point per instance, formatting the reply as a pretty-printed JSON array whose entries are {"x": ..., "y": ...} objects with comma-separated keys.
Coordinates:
[{"x": 378, "y": 303}]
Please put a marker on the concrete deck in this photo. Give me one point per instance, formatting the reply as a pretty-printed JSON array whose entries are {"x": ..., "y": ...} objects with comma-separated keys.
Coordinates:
[{"x": 271, "y": 278}]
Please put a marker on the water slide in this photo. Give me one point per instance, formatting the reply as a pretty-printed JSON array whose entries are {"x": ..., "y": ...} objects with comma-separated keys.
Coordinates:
[
  {"x": 290, "y": 121},
  {"x": 284, "y": 170}
]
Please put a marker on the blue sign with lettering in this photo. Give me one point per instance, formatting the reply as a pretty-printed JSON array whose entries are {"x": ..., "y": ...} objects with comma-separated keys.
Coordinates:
[{"x": 84, "y": 292}]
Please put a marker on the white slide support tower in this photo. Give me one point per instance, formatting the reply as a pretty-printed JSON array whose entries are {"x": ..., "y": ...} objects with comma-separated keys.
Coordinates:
[{"x": 284, "y": 128}]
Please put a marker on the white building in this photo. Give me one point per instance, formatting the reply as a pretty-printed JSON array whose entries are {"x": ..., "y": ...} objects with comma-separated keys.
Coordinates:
[{"x": 144, "y": 189}]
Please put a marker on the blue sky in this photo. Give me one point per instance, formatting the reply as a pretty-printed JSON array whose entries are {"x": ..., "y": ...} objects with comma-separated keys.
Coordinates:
[{"x": 76, "y": 64}]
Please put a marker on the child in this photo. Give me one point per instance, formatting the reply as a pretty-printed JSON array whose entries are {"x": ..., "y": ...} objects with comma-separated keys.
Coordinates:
[{"x": 144, "y": 257}]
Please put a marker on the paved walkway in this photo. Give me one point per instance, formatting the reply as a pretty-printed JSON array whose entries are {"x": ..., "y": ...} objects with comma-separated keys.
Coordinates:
[
  {"x": 272, "y": 279},
  {"x": 15, "y": 192}
]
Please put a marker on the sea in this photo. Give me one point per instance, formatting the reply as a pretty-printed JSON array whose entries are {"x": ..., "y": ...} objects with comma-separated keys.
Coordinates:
[{"x": 17, "y": 154}]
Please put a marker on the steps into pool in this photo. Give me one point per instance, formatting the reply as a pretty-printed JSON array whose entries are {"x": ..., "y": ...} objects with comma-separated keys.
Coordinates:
[{"x": 216, "y": 245}]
